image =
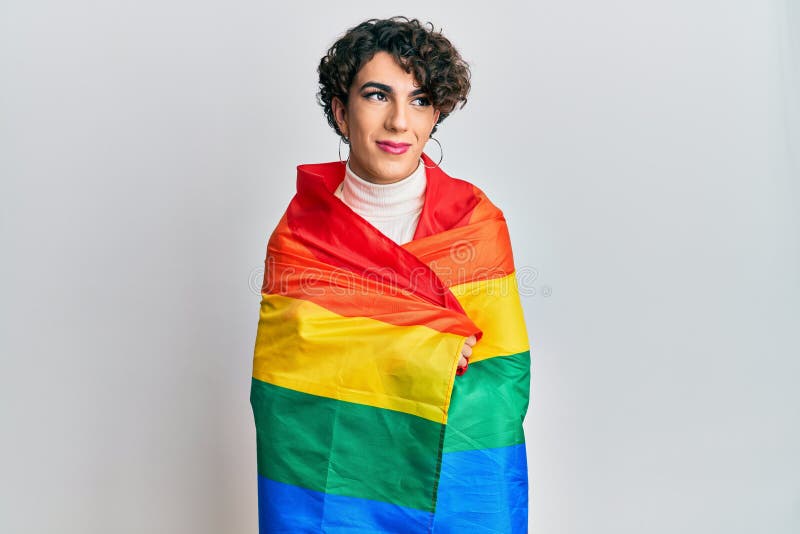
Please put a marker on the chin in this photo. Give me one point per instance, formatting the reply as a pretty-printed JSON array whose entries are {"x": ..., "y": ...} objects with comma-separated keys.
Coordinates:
[
  {"x": 397, "y": 170},
  {"x": 392, "y": 168}
]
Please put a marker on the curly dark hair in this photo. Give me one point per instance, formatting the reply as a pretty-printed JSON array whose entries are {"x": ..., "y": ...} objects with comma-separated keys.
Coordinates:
[{"x": 438, "y": 67}]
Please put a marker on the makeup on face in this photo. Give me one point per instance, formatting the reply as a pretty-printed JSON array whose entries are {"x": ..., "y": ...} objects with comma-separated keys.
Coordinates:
[{"x": 389, "y": 119}]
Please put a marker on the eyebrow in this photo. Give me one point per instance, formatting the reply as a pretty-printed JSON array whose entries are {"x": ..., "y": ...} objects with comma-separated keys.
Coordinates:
[{"x": 389, "y": 89}]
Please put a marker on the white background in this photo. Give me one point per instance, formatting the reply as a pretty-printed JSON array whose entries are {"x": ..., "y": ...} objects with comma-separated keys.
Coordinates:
[{"x": 645, "y": 155}]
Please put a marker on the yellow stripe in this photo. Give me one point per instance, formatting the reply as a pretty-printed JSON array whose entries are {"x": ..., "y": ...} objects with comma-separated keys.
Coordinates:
[
  {"x": 305, "y": 347},
  {"x": 495, "y": 307}
]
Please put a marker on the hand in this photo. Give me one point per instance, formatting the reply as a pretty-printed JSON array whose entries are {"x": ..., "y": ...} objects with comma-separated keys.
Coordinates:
[{"x": 466, "y": 351}]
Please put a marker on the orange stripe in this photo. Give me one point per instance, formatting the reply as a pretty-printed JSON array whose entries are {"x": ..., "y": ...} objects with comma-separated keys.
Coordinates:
[
  {"x": 478, "y": 251},
  {"x": 347, "y": 294}
]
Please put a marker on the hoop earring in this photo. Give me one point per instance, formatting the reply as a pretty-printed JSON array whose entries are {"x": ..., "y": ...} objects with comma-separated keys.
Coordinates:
[
  {"x": 341, "y": 138},
  {"x": 441, "y": 157}
]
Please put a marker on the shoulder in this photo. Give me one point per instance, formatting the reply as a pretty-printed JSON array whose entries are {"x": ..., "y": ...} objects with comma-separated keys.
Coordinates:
[{"x": 482, "y": 207}]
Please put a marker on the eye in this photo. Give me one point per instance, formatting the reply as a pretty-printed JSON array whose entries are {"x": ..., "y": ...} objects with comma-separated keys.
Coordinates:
[
  {"x": 425, "y": 101},
  {"x": 372, "y": 93}
]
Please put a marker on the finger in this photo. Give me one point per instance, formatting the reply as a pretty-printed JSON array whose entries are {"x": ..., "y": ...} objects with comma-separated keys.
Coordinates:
[
  {"x": 466, "y": 350},
  {"x": 471, "y": 340},
  {"x": 462, "y": 362}
]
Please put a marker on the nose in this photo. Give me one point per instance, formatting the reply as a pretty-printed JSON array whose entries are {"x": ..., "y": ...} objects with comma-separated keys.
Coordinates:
[{"x": 397, "y": 120}]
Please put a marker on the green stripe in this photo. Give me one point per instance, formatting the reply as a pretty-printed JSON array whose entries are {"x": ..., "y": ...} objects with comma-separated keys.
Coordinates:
[
  {"x": 488, "y": 404},
  {"x": 344, "y": 448}
]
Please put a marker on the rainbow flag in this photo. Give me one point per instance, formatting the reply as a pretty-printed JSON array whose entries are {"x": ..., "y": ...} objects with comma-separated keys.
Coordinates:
[{"x": 362, "y": 423}]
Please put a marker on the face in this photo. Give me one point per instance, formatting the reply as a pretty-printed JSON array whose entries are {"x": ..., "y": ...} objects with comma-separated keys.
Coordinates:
[{"x": 385, "y": 105}]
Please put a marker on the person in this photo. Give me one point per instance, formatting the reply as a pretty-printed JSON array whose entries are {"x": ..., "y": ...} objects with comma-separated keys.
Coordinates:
[
  {"x": 385, "y": 87},
  {"x": 386, "y": 118}
]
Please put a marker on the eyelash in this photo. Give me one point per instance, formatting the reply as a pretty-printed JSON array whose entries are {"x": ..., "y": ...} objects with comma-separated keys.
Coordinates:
[{"x": 368, "y": 95}]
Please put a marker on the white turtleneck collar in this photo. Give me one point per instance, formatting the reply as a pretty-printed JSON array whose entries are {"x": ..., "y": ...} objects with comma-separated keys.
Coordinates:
[
  {"x": 393, "y": 208},
  {"x": 384, "y": 200}
]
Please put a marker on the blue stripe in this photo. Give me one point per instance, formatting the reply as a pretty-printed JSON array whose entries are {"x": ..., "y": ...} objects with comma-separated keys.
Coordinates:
[
  {"x": 483, "y": 491},
  {"x": 285, "y": 508}
]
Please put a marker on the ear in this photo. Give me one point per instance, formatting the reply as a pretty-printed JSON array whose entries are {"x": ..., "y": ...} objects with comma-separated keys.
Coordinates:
[
  {"x": 435, "y": 118},
  {"x": 340, "y": 115}
]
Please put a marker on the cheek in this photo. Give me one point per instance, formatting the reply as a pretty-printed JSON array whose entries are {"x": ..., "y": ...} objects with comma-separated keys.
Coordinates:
[
  {"x": 425, "y": 123},
  {"x": 358, "y": 127},
  {"x": 368, "y": 122}
]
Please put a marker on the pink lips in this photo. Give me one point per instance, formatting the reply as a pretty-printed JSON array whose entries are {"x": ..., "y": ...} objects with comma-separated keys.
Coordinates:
[{"x": 393, "y": 148}]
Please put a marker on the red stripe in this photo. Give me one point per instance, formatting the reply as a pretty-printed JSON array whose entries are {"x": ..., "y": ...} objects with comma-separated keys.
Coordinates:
[{"x": 449, "y": 202}]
